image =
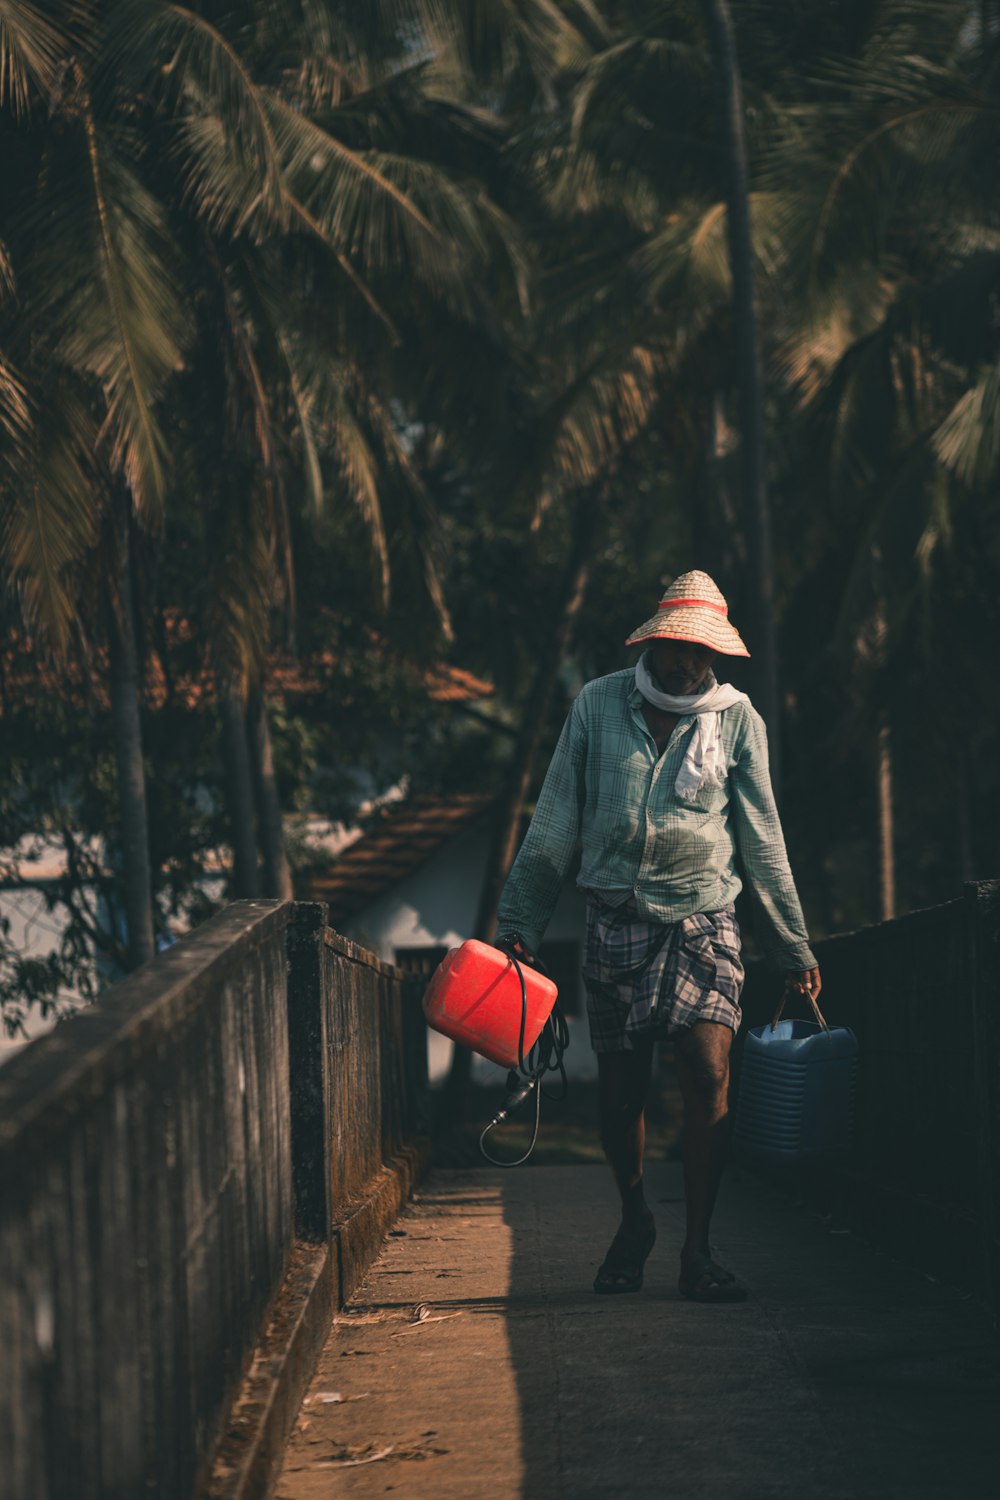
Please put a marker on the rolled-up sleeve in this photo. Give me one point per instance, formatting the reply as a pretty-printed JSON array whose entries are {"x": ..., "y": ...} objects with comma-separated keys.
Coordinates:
[
  {"x": 761, "y": 846},
  {"x": 545, "y": 857}
]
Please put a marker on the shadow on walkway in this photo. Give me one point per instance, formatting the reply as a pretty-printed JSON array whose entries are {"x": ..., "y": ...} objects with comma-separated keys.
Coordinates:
[{"x": 478, "y": 1362}]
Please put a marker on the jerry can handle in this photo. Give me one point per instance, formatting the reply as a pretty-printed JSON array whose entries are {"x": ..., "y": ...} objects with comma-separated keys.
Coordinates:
[
  {"x": 815, "y": 1009},
  {"x": 514, "y": 946}
]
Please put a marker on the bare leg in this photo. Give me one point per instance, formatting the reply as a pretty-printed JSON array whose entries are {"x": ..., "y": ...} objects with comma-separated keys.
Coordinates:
[
  {"x": 624, "y": 1084},
  {"x": 702, "y": 1055}
]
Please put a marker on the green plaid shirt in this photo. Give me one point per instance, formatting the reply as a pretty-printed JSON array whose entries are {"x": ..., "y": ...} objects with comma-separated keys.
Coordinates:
[{"x": 606, "y": 787}]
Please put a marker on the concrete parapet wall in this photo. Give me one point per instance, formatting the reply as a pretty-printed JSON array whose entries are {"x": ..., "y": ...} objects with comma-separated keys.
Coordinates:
[
  {"x": 192, "y": 1173},
  {"x": 922, "y": 994},
  {"x": 377, "y": 1081}
]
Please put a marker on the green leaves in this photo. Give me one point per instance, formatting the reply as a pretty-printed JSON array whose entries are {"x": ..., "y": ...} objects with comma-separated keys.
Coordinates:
[
  {"x": 50, "y": 515},
  {"x": 585, "y": 431},
  {"x": 104, "y": 295},
  {"x": 359, "y": 473},
  {"x": 176, "y": 139},
  {"x": 386, "y": 214},
  {"x": 32, "y": 46},
  {"x": 131, "y": 334},
  {"x": 968, "y": 440},
  {"x": 521, "y": 46},
  {"x": 231, "y": 163}
]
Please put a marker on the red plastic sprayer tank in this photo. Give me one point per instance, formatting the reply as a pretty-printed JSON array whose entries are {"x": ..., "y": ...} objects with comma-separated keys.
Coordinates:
[{"x": 475, "y": 998}]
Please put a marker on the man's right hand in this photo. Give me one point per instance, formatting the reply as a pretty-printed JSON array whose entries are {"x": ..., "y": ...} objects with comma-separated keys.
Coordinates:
[{"x": 524, "y": 954}]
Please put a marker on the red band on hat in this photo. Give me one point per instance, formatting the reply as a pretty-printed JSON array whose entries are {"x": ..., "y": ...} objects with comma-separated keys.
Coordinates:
[{"x": 722, "y": 609}]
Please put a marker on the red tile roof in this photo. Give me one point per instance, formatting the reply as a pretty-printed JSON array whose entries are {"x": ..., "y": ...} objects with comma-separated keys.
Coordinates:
[
  {"x": 447, "y": 684},
  {"x": 25, "y": 672},
  {"x": 402, "y": 837}
]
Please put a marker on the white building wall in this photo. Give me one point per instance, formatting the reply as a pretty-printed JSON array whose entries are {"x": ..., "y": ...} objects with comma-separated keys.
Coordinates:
[
  {"x": 34, "y": 931},
  {"x": 435, "y": 906}
]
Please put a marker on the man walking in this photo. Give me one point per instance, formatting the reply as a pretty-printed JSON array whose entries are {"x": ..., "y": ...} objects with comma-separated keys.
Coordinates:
[{"x": 662, "y": 773}]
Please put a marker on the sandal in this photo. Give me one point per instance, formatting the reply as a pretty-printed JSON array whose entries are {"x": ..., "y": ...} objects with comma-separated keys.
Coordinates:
[
  {"x": 621, "y": 1270},
  {"x": 707, "y": 1281}
]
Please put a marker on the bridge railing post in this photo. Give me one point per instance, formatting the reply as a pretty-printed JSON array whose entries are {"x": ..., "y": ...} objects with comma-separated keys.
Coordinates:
[
  {"x": 417, "y": 1082},
  {"x": 307, "y": 1070}
]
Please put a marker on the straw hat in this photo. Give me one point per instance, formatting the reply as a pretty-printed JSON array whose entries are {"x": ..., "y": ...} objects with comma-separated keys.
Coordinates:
[{"x": 692, "y": 609}]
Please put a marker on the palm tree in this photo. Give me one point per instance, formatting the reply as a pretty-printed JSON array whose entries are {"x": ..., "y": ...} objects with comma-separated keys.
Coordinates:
[
  {"x": 236, "y": 167},
  {"x": 319, "y": 355},
  {"x": 750, "y": 378},
  {"x": 889, "y": 264},
  {"x": 99, "y": 327}
]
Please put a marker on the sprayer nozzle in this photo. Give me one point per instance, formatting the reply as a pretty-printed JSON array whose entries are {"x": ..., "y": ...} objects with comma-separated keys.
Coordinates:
[{"x": 516, "y": 1094}]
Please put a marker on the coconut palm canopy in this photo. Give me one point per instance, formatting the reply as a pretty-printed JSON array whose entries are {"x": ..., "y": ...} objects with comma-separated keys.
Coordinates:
[{"x": 420, "y": 322}]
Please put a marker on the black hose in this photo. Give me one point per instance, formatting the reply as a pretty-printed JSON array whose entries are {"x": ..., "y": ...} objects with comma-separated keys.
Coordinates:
[{"x": 545, "y": 1056}]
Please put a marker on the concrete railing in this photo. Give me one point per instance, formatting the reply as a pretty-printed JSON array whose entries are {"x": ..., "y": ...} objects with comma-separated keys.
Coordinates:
[
  {"x": 922, "y": 994},
  {"x": 193, "y": 1172}
]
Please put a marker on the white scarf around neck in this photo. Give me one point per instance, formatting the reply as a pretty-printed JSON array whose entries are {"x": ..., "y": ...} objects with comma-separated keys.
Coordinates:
[{"x": 702, "y": 765}]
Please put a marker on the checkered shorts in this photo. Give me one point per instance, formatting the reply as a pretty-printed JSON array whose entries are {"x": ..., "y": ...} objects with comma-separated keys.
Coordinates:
[{"x": 645, "y": 977}]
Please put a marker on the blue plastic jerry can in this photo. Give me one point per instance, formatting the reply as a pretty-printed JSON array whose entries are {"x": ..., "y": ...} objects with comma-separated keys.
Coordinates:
[{"x": 797, "y": 1090}]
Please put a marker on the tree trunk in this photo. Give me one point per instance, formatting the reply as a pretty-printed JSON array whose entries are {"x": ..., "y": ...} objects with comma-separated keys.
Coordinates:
[
  {"x": 880, "y": 651},
  {"x": 963, "y": 820},
  {"x": 239, "y": 788},
  {"x": 277, "y": 878},
  {"x": 705, "y": 536},
  {"x": 886, "y": 856},
  {"x": 751, "y": 379},
  {"x": 136, "y": 878},
  {"x": 507, "y": 828},
  {"x": 718, "y": 541}
]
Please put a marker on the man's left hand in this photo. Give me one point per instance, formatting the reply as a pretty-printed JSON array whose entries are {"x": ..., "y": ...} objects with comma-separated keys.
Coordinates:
[{"x": 803, "y": 982}]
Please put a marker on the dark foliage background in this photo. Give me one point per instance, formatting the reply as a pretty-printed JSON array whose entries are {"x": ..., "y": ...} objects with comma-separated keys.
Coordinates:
[{"x": 350, "y": 341}]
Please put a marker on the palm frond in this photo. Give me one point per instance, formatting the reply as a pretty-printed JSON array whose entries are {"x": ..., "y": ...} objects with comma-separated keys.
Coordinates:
[
  {"x": 587, "y": 428},
  {"x": 418, "y": 526},
  {"x": 319, "y": 82},
  {"x": 253, "y": 403},
  {"x": 686, "y": 259},
  {"x": 32, "y": 47},
  {"x": 931, "y": 112},
  {"x": 631, "y": 69},
  {"x": 968, "y": 440},
  {"x": 102, "y": 297},
  {"x": 303, "y": 404},
  {"x": 835, "y": 320},
  {"x": 583, "y": 183},
  {"x": 7, "y": 280},
  {"x": 128, "y": 326},
  {"x": 244, "y": 593},
  {"x": 222, "y": 183},
  {"x": 50, "y": 513},
  {"x": 301, "y": 218},
  {"x": 383, "y": 210},
  {"x": 15, "y": 417},
  {"x": 358, "y": 468},
  {"x": 307, "y": 145},
  {"x": 234, "y": 170},
  {"x": 497, "y": 41},
  {"x": 881, "y": 581}
]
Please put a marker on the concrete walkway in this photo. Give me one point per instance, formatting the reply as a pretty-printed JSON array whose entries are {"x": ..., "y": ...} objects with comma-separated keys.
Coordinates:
[{"x": 477, "y": 1362}]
